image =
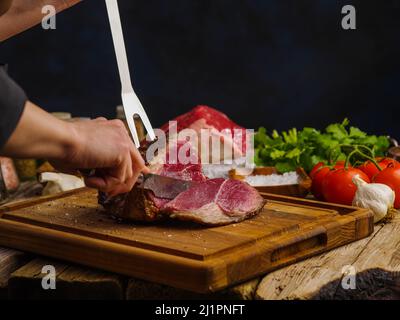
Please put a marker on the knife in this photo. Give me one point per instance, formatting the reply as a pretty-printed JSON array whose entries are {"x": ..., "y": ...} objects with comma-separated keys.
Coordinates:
[{"x": 164, "y": 187}]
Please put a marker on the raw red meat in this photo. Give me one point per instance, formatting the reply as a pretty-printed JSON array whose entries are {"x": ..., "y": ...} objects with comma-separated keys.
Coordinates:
[
  {"x": 204, "y": 117},
  {"x": 210, "y": 115}
]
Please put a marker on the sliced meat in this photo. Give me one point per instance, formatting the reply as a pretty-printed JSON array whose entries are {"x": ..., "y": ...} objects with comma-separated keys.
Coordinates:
[
  {"x": 237, "y": 198},
  {"x": 210, "y": 214},
  {"x": 212, "y": 202},
  {"x": 190, "y": 172},
  {"x": 195, "y": 197},
  {"x": 216, "y": 202}
]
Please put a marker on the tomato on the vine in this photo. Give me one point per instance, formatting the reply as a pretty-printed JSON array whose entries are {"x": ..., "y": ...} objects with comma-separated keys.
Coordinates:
[
  {"x": 338, "y": 186},
  {"x": 391, "y": 177},
  {"x": 340, "y": 164},
  {"x": 370, "y": 169},
  {"x": 316, "y": 168},
  {"x": 318, "y": 174},
  {"x": 388, "y": 161},
  {"x": 317, "y": 180}
]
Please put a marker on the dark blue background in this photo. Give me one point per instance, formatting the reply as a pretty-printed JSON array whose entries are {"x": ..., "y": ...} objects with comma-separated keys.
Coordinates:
[{"x": 277, "y": 63}]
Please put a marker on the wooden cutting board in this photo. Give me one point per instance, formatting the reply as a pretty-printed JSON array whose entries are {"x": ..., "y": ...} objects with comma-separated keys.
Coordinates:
[{"x": 72, "y": 226}]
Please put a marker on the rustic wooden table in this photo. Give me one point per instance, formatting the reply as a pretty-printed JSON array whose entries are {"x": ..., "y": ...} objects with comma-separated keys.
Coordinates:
[{"x": 367, "y": 269}]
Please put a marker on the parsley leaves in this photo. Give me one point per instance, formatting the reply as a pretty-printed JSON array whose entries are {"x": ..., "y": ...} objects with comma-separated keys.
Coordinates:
[{"x": 291, "y": 149}]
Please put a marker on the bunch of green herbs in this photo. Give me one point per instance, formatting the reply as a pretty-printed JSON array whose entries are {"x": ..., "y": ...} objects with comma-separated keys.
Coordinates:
[{"x": 291, "y": 149}]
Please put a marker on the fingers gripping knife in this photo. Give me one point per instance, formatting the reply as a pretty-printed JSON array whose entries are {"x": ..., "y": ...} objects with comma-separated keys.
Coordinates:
[{"x": 130, "y": 100}]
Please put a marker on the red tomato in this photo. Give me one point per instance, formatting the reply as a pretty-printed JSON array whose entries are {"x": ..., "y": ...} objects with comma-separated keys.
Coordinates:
[
  {"x": 339, "y": 164},
  {"x": 338, "y": 186},
  {"x": 318, "y": 179},
  {"x": 391, "y": 177},
  {"x": 318, "y": 174},
  {"x": 315, "y": 169},
  {"x": 371, "y": 170},
  {"x": 386, "y": 161}
]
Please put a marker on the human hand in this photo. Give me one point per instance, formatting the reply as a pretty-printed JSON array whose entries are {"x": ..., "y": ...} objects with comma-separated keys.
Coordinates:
[
  {"x": 100, "y": 144},
  {"x": 106, "y": 146}
]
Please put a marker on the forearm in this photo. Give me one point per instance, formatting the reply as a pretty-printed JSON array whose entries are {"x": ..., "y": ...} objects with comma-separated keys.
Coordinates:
[
  {"x": 24, "y": 14},
  {"x": 99, "y": 144},
  {"x": 39, "y": 135}
]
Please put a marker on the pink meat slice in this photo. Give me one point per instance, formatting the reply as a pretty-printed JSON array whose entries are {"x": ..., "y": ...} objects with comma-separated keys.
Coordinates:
[
  {"x": 237, "y": 198},
  {"x": 212, "y": 202},
  {"x": 196, "y": 197},
  {"x": 190, "y": 172},
  {"x": 216, "y": 202}
]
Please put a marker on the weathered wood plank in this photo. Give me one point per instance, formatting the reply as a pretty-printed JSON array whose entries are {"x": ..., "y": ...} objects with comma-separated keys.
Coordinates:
[
  {"x": 314, "y": 278},
  {"x": 10, "y": 260},
  {"x": 72, "y": 282},
  {"x": 144, "y": 290},
  {"x": 378, "y": 267}
]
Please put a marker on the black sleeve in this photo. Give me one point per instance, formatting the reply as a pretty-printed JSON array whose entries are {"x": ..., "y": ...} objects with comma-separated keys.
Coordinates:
[{"x": 12, "y": 102}]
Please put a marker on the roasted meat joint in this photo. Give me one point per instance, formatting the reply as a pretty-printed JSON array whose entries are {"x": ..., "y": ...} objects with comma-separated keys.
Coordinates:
[
  {"x": 202, "y": 150},
  {"x": 212, "y": 202},
  {"x": 205, "y": 200}
]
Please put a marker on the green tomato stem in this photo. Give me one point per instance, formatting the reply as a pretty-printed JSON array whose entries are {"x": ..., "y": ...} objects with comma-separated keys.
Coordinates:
[
  {"x": 370, "y": 159},
  {"x": 346, "y": 163},
  {"x": 362, "y": 154}
]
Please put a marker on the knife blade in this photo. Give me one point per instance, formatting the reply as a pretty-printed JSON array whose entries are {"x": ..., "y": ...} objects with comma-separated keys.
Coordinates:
[{"x": 164, "y": 187}]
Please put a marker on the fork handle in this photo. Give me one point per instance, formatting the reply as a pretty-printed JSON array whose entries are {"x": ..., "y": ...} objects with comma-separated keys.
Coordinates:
[{"x": 119, "y": 45}]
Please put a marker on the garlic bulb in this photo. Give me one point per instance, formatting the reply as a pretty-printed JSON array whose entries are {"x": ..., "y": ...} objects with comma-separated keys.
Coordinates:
[{"x": 375, "y": 196}]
